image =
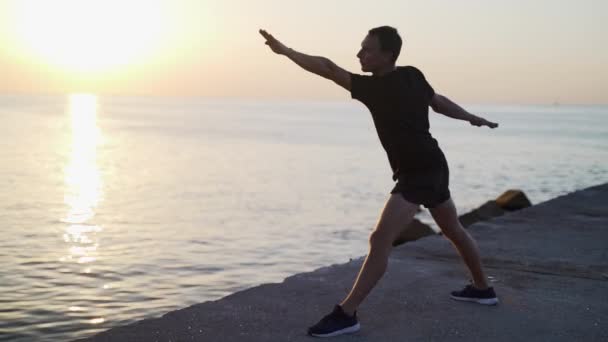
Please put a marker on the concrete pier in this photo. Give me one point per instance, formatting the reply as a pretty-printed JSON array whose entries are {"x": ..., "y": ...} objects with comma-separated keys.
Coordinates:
[{"x": 548, "y": 264}]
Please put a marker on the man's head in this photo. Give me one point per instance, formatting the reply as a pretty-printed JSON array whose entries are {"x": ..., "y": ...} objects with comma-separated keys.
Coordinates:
[{"x": 380, "y": 49}]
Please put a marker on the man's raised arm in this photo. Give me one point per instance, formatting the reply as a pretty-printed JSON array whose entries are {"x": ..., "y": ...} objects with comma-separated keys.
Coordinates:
[
  {"x": 445, "y": 106},
  {"x": 315, "y": 64}
]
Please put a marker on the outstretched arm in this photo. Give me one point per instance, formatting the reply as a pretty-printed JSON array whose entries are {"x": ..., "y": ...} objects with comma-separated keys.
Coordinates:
[
  {"x": 315, "y": 64},
  {"x": 445, "y": 106}
]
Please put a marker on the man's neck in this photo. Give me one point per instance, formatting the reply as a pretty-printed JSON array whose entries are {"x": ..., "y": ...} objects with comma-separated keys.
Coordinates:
[{"x": 384, "y": 71}]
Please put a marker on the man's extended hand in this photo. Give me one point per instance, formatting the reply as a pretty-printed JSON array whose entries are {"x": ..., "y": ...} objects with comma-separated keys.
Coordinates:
[
  {"x": 274, "y": 44},
  {"x": 477, "y": 121}
]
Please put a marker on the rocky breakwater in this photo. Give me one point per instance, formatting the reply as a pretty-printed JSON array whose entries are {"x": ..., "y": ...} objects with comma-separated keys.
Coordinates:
[{"x": 509, "y": 201}]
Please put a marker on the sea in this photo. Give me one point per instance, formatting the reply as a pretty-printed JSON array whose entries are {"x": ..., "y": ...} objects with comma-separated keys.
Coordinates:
[{"x": 117, "y": 209}]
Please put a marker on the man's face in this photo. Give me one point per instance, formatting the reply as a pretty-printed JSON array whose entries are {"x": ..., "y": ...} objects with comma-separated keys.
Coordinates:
[{"x": 371, "y": 57}]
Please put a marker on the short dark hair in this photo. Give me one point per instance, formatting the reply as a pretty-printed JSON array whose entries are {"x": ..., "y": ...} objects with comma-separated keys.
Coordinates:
[{"x": 389, "y": 39}]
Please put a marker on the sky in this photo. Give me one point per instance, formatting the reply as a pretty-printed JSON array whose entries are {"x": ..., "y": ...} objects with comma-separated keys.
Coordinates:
[{"x": 474, "y": 51}]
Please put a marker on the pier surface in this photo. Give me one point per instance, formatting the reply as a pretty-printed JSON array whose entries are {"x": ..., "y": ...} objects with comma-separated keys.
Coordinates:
[{"x": 548, "y": 264}]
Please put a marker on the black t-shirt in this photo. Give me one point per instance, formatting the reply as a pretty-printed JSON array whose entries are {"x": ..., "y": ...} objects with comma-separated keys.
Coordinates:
[{"x": 399, "y": 104}]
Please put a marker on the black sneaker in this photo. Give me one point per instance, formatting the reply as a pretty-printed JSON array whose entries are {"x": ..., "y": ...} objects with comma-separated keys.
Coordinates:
[
  {"x": 335, "y": 323},
  {"x": 472, "y": 294}
]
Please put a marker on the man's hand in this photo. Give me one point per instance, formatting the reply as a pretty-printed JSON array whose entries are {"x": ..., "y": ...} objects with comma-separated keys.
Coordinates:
[
  {"x": 275, "y": 45},
  {"x": 477, "y": 121}
]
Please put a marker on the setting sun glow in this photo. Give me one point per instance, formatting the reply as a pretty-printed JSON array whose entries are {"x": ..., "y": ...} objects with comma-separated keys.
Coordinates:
[{"x": 89, "y": 36}]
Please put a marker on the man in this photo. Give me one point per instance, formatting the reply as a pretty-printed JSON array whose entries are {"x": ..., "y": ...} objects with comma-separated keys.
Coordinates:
[{"x": 398, "y": 99}]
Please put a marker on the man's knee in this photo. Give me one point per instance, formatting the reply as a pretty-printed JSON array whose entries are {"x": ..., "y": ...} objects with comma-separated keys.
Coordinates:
[
  {"x": 455, "y": 232},
  {"x": 380, "y": 239}
]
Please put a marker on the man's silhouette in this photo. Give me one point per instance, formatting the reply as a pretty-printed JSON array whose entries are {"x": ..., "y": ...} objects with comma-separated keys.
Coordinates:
[{"x": 398, "y": 98}]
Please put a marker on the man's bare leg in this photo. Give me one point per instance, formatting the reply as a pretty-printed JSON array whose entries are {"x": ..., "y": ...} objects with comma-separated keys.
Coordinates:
[
  {"x": 446, "y": 218},
  {"x": 397, "y": 213}
]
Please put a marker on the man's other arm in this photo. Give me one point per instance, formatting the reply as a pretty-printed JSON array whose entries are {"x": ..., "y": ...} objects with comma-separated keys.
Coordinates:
[
  {"x": 445, "y": 106},
  {"x": 316, "y": 64}
]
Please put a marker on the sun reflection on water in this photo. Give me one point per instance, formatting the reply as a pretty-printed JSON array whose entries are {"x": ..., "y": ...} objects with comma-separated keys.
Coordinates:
[
  {"x": 83, "y": 183},
  {"x": 83, "y": 188}
]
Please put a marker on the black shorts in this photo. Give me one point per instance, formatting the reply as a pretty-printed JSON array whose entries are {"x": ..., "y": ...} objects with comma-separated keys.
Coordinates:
[{"x": 428, "y": 186}]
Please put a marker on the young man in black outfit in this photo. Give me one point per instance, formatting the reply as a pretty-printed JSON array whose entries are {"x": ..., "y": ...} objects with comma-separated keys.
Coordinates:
[{"x": 398, "y": 98}]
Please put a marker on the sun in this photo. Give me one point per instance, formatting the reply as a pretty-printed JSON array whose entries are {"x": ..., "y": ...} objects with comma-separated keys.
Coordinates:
[{"x": 89, "y": 35}]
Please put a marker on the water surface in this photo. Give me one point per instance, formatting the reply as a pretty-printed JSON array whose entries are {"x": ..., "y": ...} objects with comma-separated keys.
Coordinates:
[{"x": 117, "y": 209}]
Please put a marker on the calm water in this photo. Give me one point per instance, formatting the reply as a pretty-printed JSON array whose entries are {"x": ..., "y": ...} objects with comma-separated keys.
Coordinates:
[{"x": 119, "y": 209}]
